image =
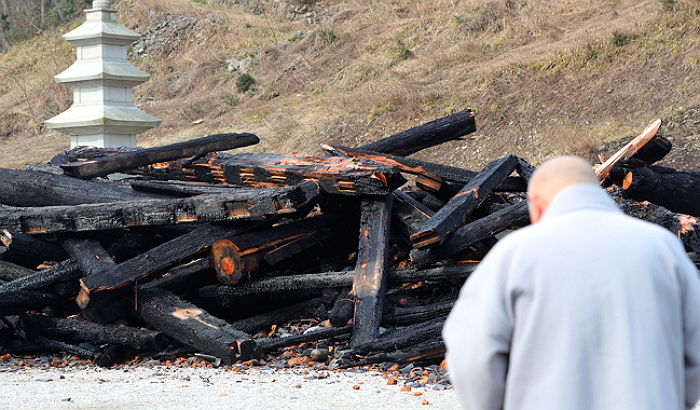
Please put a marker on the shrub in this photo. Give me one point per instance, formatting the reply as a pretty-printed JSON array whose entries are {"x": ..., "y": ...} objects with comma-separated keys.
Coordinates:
[
  {"x": 325, "y": 38},
  {"x": 244, "y": 82}
]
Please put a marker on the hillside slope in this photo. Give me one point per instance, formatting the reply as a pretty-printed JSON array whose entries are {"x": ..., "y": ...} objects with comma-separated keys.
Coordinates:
[{"x": 544, "y": 77}]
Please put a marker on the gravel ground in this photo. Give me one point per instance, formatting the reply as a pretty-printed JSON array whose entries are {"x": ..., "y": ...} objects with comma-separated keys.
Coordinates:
[{"x": 160, "y": 387}]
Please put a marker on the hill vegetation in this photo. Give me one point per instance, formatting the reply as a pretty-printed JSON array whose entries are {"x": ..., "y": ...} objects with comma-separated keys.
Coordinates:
[{"x": 545, "y": 78}]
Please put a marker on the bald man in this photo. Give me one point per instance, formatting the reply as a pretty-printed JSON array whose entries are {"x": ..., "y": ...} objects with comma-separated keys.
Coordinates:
[{"x": 585, "y": 309}]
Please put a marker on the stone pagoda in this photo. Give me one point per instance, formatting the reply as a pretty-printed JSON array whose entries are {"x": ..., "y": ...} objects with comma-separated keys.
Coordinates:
[{"x": 103, "y": 113}]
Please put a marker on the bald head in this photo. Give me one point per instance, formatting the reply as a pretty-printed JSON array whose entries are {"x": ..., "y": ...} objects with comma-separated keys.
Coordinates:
[{"x": 552, "y": 177}]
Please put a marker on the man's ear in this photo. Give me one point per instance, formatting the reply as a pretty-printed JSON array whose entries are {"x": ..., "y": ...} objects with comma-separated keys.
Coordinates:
[{"x": 535, "y": 208}]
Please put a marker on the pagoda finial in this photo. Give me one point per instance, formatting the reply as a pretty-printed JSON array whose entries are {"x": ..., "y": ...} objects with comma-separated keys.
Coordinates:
[{"x": 103, "y": 113}]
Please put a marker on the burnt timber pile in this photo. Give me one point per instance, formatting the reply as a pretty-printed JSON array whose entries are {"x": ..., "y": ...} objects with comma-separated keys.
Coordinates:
[{"x": 188, "y": 249}]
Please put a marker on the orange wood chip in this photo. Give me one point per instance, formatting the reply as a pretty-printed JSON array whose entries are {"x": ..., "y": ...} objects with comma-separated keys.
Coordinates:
[
  {"x": 443, "y": 365},
  {"x": 392, "y": 381},
  {"x": 300, "y": 360},
  {"x": 356, "y": 387},
  {"x": 223, "y": 394},
  {"x": 423, "y": 380},
  {"x": 406, "y": 388},
  {"x": 417, "y": 394},
  {"x": 425, "y": 402},
  {"x": 298, "y": 386},
  {"x": 394, "y": 368}
]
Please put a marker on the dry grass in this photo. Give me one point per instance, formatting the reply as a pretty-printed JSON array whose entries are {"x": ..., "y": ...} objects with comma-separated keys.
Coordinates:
[{"x": 545, "y": 77}]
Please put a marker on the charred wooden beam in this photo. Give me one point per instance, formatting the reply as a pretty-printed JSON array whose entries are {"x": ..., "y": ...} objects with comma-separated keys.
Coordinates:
[
  {"x": 271, "y": 344},
  {"x": 457, "y": 209},
  {"x": 184, "y": 188},
  {"x": 242, "y": 257},
  {"x": 89, "y": 254},
  {"x": 427, "y": 135},
  {"x": 431, "y": 176},
  {"x": 263, "y": 321},
  {"x": 167, "y": 254},
  {"x": 417, "y": 314},
  {"x": 432, "y": 350},
  {"x": 326, "y": 280},
  {"x": 60, "y": 272},
  {"x": 20, "y": 301},
  {"x": 206, "y": 208},
  {"x": 685, "y": 227},
  {"x": 22, "y": 247},
  {"x": 409, "y": 214},
  {"x": 86, "y": 153},
  {"x": 371, "y": 276},
  {"x": 468, "y": 235},
  {"x": 10, "y": 271},
  {"x": 631, "y": 148},
  {"x": 76, "y": 330},
  {"x": 679, "y": 191},
  {"x": 128, "y": 160},
  {"x": 192, "y": 325},
  {"x": 184, "y": 278},
  {"x": 29, "y": 188},
  {"x": 347, "y": 176},
  {"x": 400, "y": 337}
]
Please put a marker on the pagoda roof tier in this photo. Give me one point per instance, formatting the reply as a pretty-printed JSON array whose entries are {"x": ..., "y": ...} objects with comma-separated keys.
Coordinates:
[
  {"x": 100, "y": 25},
  {"x": 91, "y": 70},
  {"x": 118, "y": 119}
]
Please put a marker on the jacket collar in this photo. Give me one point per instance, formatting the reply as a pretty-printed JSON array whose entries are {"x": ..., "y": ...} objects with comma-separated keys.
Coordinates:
[{"x": 581, "y": 197}]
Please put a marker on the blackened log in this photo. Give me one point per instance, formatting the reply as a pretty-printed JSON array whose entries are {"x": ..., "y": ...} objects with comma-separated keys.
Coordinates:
[
  {"x": 86, "y": 153},
  {"x": 60, "y": 272},
  {"x": 427, "y": 135},
  {"x": 270, "y": 344},
  {"x": 242, "y": 257},
  {"x": 654, "y": 151},
  {"x": 525, "y": 169},
  {"x": 325, "y": 280},
  {"x": 9, "y": 271},
  {"x": 343, "y": 308},
  {"x": 405, "y": 336},
  {"x": 432, "y": 350},
  {"x": 346, "y": 176},
  {"x": 371, "y": 276},
  {"x": 409, "y": 214},
  {"x": 515, "y": 215},
  {"x": 685, "y": 227},
  {"x": 255, "y": 324},
  {"x": 20, "y": 301},
  {"x": 432, "y": 176},
  {"x": 184, "y": 278},
  {"x": 192, "y": 325},
  {"x": 128, "y": 160},
  {"x": 416, "y": 314},
  {"x": 28, "y": 188},
  {"x": 21, "y": 247},
  {"x": 57, "y": 346},
  {"x": 457, "y": 209},
  {"x": 206, "y": 208},
  {"x": 76, "y": 330},
  {"x": 183, "y": 188},
  {"x": 111, "y": 355},
  {"x": 167, "y": 254},
  {"x": 679, "y": 192},
  {"x": 89, "y": 255}
]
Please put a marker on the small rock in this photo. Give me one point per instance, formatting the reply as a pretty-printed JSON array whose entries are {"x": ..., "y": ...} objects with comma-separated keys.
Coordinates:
[{"x": 319, "y": 355}]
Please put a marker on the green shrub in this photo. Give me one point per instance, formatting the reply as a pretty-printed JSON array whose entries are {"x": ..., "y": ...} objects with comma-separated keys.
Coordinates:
[
  {"x": 325, "y": 38},
  {"x": 621, "y": 39},
  {"x": 244, "y": 82}
]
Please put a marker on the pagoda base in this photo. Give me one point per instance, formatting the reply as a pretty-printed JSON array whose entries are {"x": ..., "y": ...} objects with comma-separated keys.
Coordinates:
[{"x": 103, "y": 140}]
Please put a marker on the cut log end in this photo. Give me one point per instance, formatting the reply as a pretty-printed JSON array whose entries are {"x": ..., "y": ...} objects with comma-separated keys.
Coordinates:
[
  {"x": 230, "y": 264},
  {"x": 627, "y": 181}
]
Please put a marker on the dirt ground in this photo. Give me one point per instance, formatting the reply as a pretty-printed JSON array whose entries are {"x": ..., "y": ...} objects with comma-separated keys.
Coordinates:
[{"x": 159, "y": 387}]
